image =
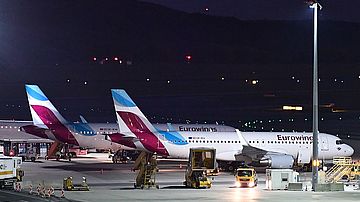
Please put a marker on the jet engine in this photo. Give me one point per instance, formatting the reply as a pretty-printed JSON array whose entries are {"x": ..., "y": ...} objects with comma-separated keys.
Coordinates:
[{"x": 278, "y": 161}]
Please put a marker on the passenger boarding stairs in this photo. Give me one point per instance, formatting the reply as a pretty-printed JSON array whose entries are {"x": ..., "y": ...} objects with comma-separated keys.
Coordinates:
[
  {"x": 342, "y": 166},
  {"x": 54, "y": 148},
  {"x": 147, "y": 165}
]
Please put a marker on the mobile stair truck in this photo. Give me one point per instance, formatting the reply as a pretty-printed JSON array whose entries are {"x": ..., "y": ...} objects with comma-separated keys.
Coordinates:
[
  {"x": 10, "y": 172},
  {"x": 201, "y": 161}
]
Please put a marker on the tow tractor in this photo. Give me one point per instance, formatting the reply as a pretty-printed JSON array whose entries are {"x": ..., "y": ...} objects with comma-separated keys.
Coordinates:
[
  {"x": 10, "y": 171},
  {"x": 245, "y": 177},
  {"x": 201, "y": 161}
]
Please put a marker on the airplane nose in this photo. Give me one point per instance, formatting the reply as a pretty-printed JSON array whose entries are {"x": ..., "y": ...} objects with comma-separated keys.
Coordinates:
[{"x": 349, "y": 150}]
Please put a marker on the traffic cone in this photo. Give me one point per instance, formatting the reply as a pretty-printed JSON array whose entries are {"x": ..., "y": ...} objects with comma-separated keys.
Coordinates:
[
  {"x": 52, "y": 191},
  {"x": 43, "y": 192},
  {"x": 30, "y": 189},
  {"x": 62, "y": 195},
  {"x": 180, "y": 166},
  {"x": 16, "y": 187},
  {"x": 49, "y": 193},
  {"x": 38, "y": 189}
]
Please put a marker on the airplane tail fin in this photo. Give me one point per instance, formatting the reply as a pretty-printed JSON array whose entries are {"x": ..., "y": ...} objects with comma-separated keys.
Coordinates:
[
  {"x": 42, "y": 110},
  {"x": 129, "y": 116}
]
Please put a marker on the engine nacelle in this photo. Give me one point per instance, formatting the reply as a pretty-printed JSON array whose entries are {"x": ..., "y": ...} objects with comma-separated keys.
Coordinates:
[{"x": 278, "y": 161}]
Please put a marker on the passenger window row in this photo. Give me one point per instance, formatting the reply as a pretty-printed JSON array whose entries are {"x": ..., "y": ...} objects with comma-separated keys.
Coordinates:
[
  {"x": 206, "y": 141},
  {"x": 8, "y": 127},
  {"x": 281, "y": 142}
]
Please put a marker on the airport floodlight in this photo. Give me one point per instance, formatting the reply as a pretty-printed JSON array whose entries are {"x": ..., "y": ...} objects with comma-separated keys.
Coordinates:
[{"x": 315, "y": 166}]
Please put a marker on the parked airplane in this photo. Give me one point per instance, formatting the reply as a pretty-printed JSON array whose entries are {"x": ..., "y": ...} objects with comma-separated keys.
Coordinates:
[
  {"x": 49, "y": 123},
  {"x": 278, "y": 149}
]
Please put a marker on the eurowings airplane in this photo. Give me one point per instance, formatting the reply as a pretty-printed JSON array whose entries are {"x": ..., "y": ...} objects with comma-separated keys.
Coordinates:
[
  {"x": 277, "y": 149},
  {"x": 50, "y": 124}
]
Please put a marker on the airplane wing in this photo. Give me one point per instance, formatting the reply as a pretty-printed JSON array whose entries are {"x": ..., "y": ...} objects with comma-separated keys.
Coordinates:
[{"x": 257, "y": 154}]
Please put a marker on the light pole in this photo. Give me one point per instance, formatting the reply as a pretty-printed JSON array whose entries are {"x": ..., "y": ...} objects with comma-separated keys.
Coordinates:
[{"x": 315, "y": 157}]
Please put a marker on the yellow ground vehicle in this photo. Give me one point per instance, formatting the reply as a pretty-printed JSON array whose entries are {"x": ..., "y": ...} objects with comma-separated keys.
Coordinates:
[
  {"x": 201, "y": 161},
  {"x": 354, "y": 173},
  {"x": 245, "y": 177},
  {"x": 68, "y": 185}
]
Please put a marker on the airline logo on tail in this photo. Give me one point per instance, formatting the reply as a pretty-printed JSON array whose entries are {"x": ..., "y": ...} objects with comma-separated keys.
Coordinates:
[
  {"x": 132, "y": 121},
  {"x": 45, "y": 115}
]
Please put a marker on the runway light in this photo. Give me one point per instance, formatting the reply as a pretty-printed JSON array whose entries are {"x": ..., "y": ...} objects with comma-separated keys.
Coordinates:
[
  {"x": 147, "y": 79},
  {"x": 116, "y": 58},
  {"x": 94, "y": 58}
]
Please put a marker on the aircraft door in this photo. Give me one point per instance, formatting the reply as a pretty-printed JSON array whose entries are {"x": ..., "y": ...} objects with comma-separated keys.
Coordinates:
[
  {"x": 323, "y": 143},
  {"x": 161, "y": 138}
]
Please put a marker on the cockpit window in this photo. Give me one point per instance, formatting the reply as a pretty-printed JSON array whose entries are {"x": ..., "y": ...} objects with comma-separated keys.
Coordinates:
[{"x": 339, "y": 142}]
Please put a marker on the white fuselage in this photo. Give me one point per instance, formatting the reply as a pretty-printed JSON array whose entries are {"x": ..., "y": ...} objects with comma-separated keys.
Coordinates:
[{"x": 229, "y": 144}]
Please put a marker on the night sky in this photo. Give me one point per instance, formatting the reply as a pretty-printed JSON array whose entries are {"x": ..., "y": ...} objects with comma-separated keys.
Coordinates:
[
  {"x": 247, "y": 60},
  {"x": 345, "y": 10}
]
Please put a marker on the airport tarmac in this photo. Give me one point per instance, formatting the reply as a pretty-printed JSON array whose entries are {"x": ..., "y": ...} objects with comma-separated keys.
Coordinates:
[{"x": 114, "y": 182}]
